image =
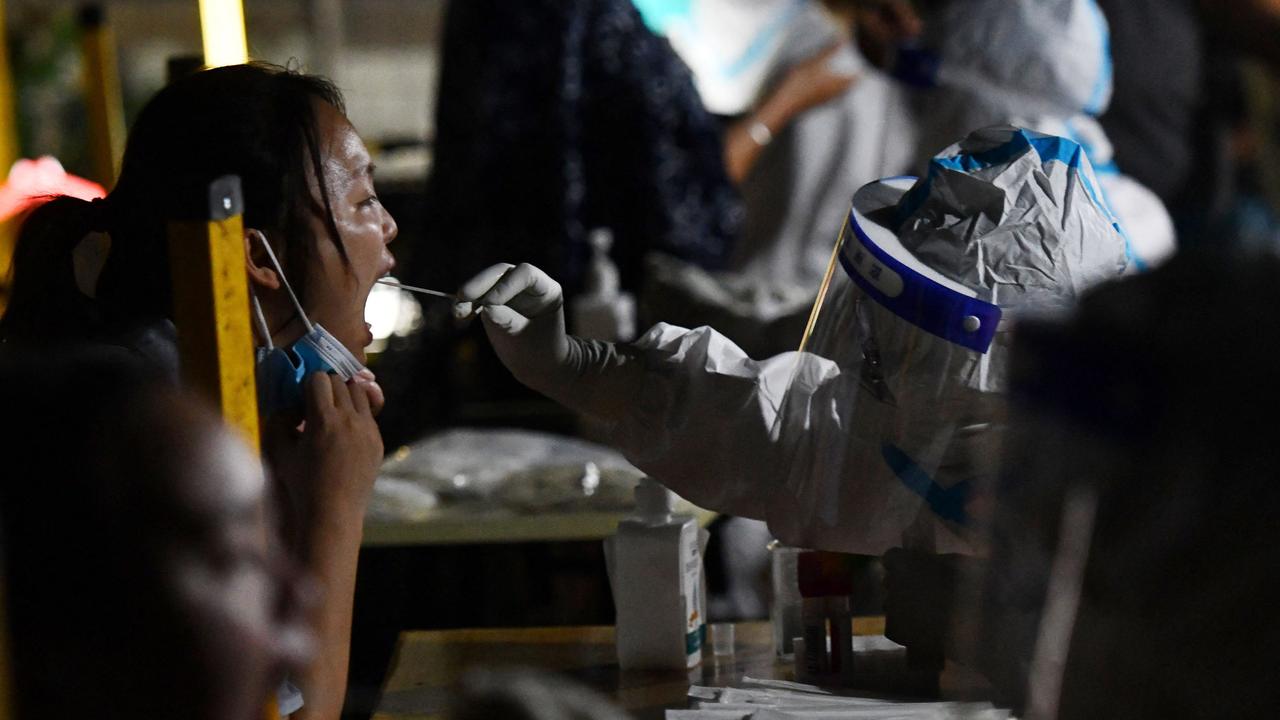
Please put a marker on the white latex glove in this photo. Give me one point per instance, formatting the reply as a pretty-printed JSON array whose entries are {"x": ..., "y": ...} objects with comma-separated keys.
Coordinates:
[{"x": 522, "y": 309}]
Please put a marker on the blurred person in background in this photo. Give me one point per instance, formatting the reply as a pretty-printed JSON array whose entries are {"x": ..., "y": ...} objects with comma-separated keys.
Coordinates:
[
  {"x": 555, "y": 118},
  {"x": 143, "y": 572},
  {"x": 959, "y": 65},
  {"x": 1040, "y": 64},
  {"x": 1175, "y": 119},
  {"x": 808, "y": 122}
]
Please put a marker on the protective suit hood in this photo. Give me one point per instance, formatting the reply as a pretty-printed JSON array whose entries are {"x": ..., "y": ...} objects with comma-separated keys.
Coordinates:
[
  {"x": 1027, "y": 57},
  {"x": 1017, "y": 216},
  {"x": 1040, "y": 64}
]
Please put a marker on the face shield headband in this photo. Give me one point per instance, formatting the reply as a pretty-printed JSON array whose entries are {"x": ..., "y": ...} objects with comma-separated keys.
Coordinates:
[{"x": 876, "y": 261}]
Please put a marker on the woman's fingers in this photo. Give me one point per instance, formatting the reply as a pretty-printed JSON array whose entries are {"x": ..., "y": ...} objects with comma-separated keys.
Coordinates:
[
  {"x": 358, "y": 397},
  {"x": 319, "y": 393},
  {"x": 327, "y": 393},
  {"x": 367, "y": 380},
  {"x": 341, "y": 395}
]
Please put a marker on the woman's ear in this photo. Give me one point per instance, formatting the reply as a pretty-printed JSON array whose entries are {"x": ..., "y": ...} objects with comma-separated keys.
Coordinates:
[{"x": 262, "y": 271}]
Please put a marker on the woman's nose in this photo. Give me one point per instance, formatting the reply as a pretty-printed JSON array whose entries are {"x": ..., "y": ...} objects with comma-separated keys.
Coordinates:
[{"x": 389, "y": 228}]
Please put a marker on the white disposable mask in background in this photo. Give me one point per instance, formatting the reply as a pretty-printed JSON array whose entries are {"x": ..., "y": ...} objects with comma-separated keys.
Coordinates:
[{"x": 736, "y": 48}]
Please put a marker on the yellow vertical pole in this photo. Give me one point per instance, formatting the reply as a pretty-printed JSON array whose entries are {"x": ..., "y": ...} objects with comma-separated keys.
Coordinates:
[
  {"x": 223, "y": 34},
  {"x": 105, "y": 108},
  {"x": 211, "y": 304},
  {"x": 8, "y": 153},
  {"x": 211, "y": 309}
]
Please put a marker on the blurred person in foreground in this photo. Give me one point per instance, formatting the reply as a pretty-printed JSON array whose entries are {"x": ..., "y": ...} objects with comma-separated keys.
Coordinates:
[
  {"x": 1132, "y": 541},
  {"x": 142, "y": 571},
  {"x": 1136, "y": 539}
]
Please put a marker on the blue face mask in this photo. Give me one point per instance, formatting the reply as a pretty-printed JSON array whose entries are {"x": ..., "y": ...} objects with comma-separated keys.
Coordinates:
[{"x": 282, "y": 371}]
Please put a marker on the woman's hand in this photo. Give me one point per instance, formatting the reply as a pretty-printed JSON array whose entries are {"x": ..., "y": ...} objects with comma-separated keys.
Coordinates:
[
  {"x": 327, "y": 466},
  {"x": 325, "y": 462},
  {"x": 522, "y": 309},
  {"x": 340, "y": 438},
  {"x": 369, "y": 381}
]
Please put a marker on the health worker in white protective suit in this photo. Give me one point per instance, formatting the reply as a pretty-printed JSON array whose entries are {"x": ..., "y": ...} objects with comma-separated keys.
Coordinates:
[
  {"x": 1039, "y": 64},
  {"x": 880, "y": 434},
  {"x": 817, "y": 122}
]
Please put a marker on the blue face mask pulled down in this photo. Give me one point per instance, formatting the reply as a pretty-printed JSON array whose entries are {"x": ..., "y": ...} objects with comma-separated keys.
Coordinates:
[{"x": 282, "y": 371}]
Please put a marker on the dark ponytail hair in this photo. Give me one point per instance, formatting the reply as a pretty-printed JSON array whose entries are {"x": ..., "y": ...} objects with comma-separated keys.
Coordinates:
[{"x": 257, "y": 121}]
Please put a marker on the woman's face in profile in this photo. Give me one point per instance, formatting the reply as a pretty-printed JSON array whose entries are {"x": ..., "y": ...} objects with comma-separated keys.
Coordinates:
[
  {"x": 337, "y": 292},
  {"x": 239, "y": 603}
]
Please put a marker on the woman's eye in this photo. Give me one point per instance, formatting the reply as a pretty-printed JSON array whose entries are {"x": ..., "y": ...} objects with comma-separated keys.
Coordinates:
[{"x": 370, "y": 201}]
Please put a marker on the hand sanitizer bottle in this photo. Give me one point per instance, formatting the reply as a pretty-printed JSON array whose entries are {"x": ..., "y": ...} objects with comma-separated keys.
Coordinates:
[
  {"x": 603, "y": 311},
  {"x": 655, "y": 570}
]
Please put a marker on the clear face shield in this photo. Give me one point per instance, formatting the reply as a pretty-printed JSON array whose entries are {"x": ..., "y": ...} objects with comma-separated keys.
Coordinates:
[
  {"x": 896, "y": 405},
  {"x": 913, "y": 359}
]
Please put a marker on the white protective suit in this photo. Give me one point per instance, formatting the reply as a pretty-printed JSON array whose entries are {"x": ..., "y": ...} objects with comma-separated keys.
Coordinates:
[
  {"x": 872, "y": 439},
  {"x": 1043, "y": 65},
  {"x": 801, "y": 182}
]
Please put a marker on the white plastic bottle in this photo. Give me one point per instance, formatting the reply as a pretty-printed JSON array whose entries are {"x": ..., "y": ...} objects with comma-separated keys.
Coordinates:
[
  {"x": 603, "y": 311},
  {"x": 655, "y": 569}
]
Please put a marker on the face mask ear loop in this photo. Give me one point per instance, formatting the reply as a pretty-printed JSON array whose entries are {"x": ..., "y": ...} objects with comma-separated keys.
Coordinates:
[
  {"x": 260, "y": 320},
  {"x": 276, "y": 263}
]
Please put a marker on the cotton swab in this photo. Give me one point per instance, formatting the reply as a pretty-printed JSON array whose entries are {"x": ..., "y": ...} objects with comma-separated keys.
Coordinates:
[{"x": 419, "y": 290}]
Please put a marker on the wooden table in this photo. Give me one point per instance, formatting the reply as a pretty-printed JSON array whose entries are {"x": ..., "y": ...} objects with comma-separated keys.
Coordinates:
[
  {"x": 475, "y": 565},
  {"x": 428, "y": 663}
]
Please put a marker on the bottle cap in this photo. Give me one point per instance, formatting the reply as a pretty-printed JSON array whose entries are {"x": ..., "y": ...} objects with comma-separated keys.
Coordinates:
[
  {"x": 652, "y": 499},
  {"x": 602, "y": 279},
  {"x": 601, "y": 239}
]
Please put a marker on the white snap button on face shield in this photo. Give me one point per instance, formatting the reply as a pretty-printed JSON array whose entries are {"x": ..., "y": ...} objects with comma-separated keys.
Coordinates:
[{"x": 895, "y": 409}]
